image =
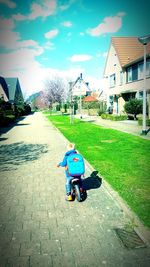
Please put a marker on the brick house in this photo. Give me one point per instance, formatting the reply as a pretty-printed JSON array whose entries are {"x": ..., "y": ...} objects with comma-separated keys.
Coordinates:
[{"x": 124, "y": 72}]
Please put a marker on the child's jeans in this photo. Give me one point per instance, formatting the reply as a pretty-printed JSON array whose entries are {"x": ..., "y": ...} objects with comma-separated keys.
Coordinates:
[{"x": 68, "y": 182}]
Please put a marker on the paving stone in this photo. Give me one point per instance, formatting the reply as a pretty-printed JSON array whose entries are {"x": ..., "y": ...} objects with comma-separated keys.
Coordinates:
[
  {"x": 9, "y": 249},
  {"x": 40, "y": 215},
  {"x": 50, "y": 247},
  {"x": 40, "y": 234},
  {"x": 31, "y": 225},
  {"x": 18, "y": 262},
  {"x": 59, "y": 233},
  {"x": 63, "y": 260},
  {"x": 13, "y": 226},
  {"x": 5, "y": 236},
  {"x": 41, "y": 261},
  {"x": 50, "y": 223},
  {"x": 30, "y": 248},
  {"x": 21, "y": 236},
  {"x": 69, "y": 245}
]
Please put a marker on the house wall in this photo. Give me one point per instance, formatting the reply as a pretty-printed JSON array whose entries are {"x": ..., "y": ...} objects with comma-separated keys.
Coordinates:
[
  {"x": 129, "y": 87},
  {"x": 80, "y": 88},
  {"x": 3, "y": 94},
  {"x": 113, "y": 67}
]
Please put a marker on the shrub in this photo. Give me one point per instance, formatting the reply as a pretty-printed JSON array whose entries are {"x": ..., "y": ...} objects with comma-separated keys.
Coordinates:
[
  {"x": 133, "y": 106},
  {"x": 140, "y": 121},
  {"x": 114, "y": 117}
]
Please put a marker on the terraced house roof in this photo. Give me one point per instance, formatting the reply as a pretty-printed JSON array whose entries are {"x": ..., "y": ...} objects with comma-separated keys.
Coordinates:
[
  {"x": 129, "y": 49},
  {"x": 13, "y": 88},
  {"x": 4, "y": 86}
]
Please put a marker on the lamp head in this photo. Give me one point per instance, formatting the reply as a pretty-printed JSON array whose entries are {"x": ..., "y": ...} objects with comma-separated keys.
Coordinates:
[{"x": 144, "y": 39}]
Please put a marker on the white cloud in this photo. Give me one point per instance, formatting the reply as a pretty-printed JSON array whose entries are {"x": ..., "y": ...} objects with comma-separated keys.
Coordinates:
[
  {"x": 6, "y": 24},
  {"x": 49, "y": 46},
  {"x": 9, "y": 39},
  {"x": 32, "y": 75},
  {"x": 8, "y": 3},
  {"x": 109, "y": 25},
  {"x": 51, "y": 34},
  {"x": 66, "y": 23},
  {"x": 22, "y": 64},
  {"x": 80, "y": 58},
  {"x": 19, "y": 17},
  {"x": 66, "y": 6},
  {"x": 104, "y": 54},
  {"x": 45, "y": 9}
]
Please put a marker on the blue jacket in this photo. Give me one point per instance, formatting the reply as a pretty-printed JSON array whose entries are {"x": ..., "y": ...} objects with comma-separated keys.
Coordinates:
[{"x": 68, "y": 153}]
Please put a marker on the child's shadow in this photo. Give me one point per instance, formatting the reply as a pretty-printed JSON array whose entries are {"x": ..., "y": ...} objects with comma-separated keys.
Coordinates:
[{"x": 91, "y": 182}]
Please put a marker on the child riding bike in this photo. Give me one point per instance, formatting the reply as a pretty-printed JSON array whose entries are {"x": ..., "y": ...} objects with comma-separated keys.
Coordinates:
[{"x": 70, "y": 151}]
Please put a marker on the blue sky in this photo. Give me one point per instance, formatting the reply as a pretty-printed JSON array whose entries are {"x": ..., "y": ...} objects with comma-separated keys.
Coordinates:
[{"x": 43, "y": 37}]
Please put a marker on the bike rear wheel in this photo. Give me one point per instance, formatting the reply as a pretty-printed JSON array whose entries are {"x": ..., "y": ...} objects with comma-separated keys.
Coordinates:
[{"x": 77, "y": 192}]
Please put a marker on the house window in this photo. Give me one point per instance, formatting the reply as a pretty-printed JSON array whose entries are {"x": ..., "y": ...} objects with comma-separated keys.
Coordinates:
[
  {"x": 129, "y": 74},
  {"x": 134, "y": 72},
  {"x": 112, "y": 80},
  {"x": 148, "y": 68},
  {"x": 140, "y": 71},
  {"x": 141, "y": 95},
  {"x": 121, "y": 77}
]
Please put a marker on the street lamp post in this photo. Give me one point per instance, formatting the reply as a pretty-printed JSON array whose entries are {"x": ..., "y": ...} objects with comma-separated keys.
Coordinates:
[
  {"x": 144, "y": 40},
  {"x": 71, "y": 103}
]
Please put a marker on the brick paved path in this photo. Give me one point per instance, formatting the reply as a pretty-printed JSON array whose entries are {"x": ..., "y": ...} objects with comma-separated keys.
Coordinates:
[{"x": 37, "y": 226}]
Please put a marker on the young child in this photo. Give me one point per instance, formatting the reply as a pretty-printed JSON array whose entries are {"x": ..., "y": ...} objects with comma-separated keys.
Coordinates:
[{"x": 70, "y": 150}]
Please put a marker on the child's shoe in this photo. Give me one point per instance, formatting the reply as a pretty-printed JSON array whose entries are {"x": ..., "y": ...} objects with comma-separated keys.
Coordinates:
[{"x": 69, "y": 197}]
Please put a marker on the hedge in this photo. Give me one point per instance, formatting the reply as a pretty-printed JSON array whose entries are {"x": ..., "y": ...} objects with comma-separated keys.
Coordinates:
[
  {"x": 140, "y": 121},
  {"x": 114, "y": 117}
]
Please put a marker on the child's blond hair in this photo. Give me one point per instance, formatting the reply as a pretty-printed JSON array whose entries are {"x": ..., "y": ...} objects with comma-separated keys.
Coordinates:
[{"x": 70, "y": 146}]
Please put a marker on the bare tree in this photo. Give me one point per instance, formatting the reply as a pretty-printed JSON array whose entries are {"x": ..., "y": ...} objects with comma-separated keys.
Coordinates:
[{"x": 55, "y": 90}]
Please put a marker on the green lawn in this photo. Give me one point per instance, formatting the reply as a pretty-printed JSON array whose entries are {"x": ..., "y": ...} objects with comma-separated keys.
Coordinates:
[{"x": 122, "y": 159}]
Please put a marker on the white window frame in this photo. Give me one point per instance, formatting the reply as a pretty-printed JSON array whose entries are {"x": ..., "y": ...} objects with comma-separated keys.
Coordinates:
[
  {"x": 113, "y": 80},
  {"x": 129, "y": 74},
  {"x": 140, "y": 71},
  {"x": 121, "y": 77},
  {"x": 148, "y": 68}
]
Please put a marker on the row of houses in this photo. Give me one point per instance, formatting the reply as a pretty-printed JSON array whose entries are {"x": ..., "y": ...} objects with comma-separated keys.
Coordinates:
[{"x": 123, "y": 75}]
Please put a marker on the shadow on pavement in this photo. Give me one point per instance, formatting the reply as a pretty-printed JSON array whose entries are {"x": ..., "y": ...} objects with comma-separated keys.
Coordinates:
[
  {"x": 5, "y": 129},
  {"x": 22, "y": 124},
  {"x": 18, "y": 153},
  {"x": 3, "y": 138},
  {"x": 92, "y": 182}
]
